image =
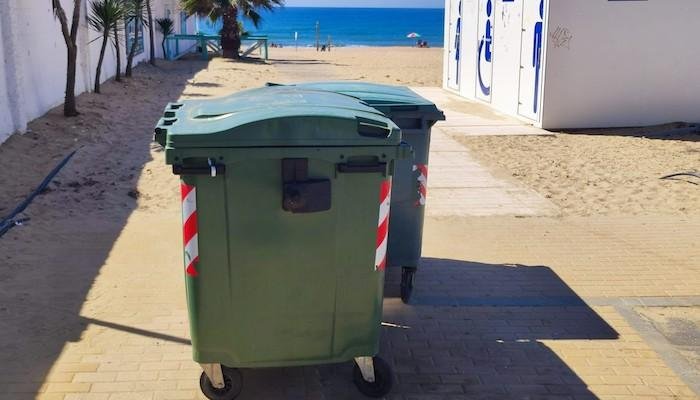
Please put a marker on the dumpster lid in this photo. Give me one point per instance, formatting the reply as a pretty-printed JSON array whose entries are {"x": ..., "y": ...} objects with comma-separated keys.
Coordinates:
[
  {"x": 277, "y": 117},
  {"x": 388, "y": 98}
]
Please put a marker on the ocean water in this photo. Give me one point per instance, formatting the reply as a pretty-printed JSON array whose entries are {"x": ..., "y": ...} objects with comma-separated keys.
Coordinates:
[{"x": 352, "y": 26}]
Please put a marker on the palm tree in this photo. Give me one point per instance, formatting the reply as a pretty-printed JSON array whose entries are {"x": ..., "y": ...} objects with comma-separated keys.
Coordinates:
[
  {"x": 166, "y": 26},
  {"x": 136, "y": 14},
  {"x": 228, "y": 10},
  {"x": 149, "y": 11},
  {"x": 104, "y": 17},
  {"x": 70, "y": 36}
]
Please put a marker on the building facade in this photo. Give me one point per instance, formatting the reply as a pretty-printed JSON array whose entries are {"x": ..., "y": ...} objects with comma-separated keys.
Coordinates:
[{"x": 577, "y": 63}]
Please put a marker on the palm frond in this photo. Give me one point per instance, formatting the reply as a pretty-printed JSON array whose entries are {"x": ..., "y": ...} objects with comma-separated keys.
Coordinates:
[
  {"x": 135, "y": 10},
  {"x": 214, "y": 8},
  {"x": 105, "y": 14}
]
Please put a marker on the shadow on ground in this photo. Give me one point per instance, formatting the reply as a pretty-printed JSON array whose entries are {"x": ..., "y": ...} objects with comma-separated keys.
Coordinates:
[
  {"x": 689, "y": 132},
  {"x": 48, "y": 267},
  {"x": 471, "y": 332}
]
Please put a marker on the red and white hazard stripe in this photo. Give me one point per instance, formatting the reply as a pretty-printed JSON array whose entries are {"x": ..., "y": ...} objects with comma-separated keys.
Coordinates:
[
  {"x": 422, "y": 183},
  {"x": 189, "y": 228},
  {"x": 383, "y": 225}
]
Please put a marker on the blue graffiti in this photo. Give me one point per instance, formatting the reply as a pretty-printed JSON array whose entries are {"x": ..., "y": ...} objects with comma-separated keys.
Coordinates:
[
  {"x": 458, "y": 39},
  {"x": 485, "y": 48},
  {"x": 537, "y": 54}
]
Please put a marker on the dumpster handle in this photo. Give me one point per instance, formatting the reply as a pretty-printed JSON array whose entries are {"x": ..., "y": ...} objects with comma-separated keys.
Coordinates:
[
  {"x": 362, "y": 168},
  {"x": 212, "y": 169}
]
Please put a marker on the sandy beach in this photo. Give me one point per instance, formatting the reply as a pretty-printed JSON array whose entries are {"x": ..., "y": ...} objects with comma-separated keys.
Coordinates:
[
  {"x": 601, "y": 172},
  {"x": 114, "y": 129}
]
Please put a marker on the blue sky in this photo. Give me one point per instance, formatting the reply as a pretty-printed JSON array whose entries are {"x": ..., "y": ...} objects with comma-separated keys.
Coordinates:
[{"x": 367, "y": 3}]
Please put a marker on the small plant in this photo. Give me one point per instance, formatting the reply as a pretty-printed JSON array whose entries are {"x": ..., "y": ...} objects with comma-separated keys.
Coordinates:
[
  {"x": 166, "y": 26},
  {"x": 104, "y": 17}
]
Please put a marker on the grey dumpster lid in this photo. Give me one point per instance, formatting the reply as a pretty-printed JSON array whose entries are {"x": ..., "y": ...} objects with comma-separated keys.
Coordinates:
[
  {"x": 278, "y": 117},
  {"x": 386, "y": 98}
]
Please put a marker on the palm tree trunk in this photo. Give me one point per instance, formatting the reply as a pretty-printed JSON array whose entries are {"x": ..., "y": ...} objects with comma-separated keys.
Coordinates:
[
  {"x": 70, "y": 37},
  {"x": 118, "y": 76},
  {"x": 69, "y": 106},
  {"x": 132, "y": 51},
  {"x": 150, "y": 32},
  {"x": 165, "y": 54},
  {"x": 230, "y": 34},
  {"x": 98, "y": 74}
]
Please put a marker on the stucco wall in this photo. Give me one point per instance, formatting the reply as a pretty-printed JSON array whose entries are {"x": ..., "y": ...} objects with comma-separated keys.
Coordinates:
[{"x": 33, "y": 58}]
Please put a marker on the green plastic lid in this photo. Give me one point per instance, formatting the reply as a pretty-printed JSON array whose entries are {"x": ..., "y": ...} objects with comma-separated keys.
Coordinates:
[
  {"x": 276, "y": 117},
  {"x": 387, "y": 98}
]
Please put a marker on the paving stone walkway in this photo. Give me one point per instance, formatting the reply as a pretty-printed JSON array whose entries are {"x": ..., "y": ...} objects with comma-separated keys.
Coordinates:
[{"x": 460, "y": 186}]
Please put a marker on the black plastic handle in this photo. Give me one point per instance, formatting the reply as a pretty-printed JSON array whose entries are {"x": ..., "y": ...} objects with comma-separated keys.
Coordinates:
[
  {"x": 202, "y": 170},
  {"x": 362, "y": 168}
]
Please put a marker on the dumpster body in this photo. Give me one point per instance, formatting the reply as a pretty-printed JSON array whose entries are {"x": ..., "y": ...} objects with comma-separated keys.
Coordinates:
[
  {"x": 285, "y": 213},
  {"x": 415, "y": 116}
]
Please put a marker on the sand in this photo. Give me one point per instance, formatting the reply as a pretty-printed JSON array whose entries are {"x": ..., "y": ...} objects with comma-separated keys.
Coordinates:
[
  {"x": 393, "y": 65},
  {"x": 601, "y": 172},
  {"x": 116, "y": 160},
  {"x": 117, "y": 166}
]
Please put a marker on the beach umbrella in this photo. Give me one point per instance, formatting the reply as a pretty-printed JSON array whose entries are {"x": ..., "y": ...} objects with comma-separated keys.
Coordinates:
[{"x": 413, "y": 35}]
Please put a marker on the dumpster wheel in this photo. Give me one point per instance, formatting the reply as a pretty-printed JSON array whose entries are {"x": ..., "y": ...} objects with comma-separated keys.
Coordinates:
[
  {"x": 233, "y": 384},
  {"x": 383, "y": 379},
  {"x": 407, "y": 277}
]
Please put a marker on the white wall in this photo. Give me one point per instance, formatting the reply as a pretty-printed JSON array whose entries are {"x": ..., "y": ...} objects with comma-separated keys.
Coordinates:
[
  {"x": 506, "y": 65},
  {"x": 622, "y": 63},
  {"x": 468, "y": 44},
  {"x": 33, "y": 55},
  {"x": 605, "y": 63},
  {"x": 9, "y": 93}
]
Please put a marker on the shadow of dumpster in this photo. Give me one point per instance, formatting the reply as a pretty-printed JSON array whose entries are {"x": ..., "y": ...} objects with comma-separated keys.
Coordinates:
[
  {"x": 472, "y": 331},
  {"x": 48, "y": 267}
]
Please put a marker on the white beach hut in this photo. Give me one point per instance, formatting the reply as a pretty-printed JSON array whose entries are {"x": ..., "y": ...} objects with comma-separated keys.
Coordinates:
[{"x": 577, "y": 63}]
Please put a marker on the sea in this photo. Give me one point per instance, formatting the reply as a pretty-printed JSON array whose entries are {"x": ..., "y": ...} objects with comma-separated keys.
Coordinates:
[{"x": 351, "y": 26}]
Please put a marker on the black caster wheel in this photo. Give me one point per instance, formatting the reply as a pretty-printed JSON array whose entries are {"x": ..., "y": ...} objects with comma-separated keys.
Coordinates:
[
  {"x": 383, "y": 380},
  {"x": 407, "y": 277},
  {"x": 233, "y": 383}
]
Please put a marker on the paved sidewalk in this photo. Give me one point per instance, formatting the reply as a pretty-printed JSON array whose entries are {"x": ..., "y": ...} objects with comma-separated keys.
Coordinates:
[
  {"x": 469, "y": 118},
  {"x": 480, "y": 327},
  {"x": 459, "y": 186}
]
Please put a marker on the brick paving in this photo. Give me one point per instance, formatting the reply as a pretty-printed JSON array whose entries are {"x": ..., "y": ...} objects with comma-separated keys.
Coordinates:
[
  {"x": 460, "y": 186},
  {"x": 500, "y": 312}
]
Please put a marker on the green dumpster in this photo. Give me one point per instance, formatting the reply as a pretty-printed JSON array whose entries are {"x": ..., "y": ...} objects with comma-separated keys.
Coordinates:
[
  {"x": 415, "y": 116},
  {"x": 285, "y": 213}
]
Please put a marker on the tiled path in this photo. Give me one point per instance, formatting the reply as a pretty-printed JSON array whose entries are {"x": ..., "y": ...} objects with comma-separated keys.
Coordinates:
[{"x": 460, "y": 186}]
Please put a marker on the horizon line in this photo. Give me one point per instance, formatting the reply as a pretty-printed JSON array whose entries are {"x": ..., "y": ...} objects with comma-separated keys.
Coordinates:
[{"x": 413, "y": 8}]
